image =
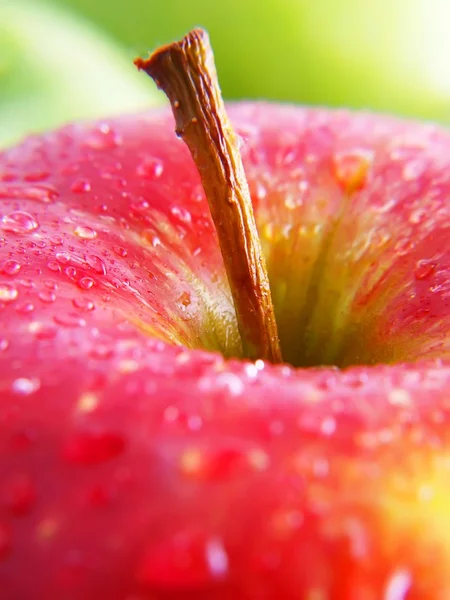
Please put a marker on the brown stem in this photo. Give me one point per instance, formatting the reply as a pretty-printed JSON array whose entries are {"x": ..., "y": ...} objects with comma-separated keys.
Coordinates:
[{"x": 186, "y": 73}]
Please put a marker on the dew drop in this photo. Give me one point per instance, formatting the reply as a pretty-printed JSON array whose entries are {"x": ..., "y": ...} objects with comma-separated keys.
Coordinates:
[
  {"x": 11, "y": 267},
  {"x": 185, "y": 299},
  {"x": 261, "y": 190},
  {"x": 139, "y": 206},
  {"x": 103, "y": 138},
  {"x": 8, "y": 293},
  {"x": 85, "y": 232},
  {"x": 181, "y": 214},
  {"x": 216, "y": 558},
  {"x": 26, "y": 308},
  {"x": 56, "y": 240},
  {"x": 53, "y": 266},
  {"x": 183, "y": 562},
  {"x": 36, "y": 176},
  {"x": 4, "y": 344},
  {"x": 150, "y": 168},
  {"x": 413, "y": 169},
  {"x": 44, "y": 194},
  {"x": 424, "y": 269},
  {"x": 89, "y": 448},
  {"x": 42, "y": 331},
  {"x": 83, "y": 304},
  {"x": 71, "y": 272},
  {"x": 291, "y": 202},
  {"x": 28, "y": 283},
  {"x": 328, "y": 426},
  {"x": 24, "y": 386},
  {"x": 398, "y": 586},
  {"x": 18, "y": 222},
  {"x": 69, "y": 320},
  {"x": 120, "y": 251},
  {"x": 96, "y": 263},
  {"x": 351, "y": 168},
  {"x": 85, "y": 283},
  {"x": 81, "y": 186},
  {"x": 47, "y": 296},
  {"x": 63, "y": 257},
  {"x": 101, "y": 352}
]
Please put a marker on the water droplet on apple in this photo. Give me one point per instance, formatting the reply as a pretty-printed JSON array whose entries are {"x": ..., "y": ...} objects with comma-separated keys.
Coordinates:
[
  {"x": 28, "y": 283},
  {"x": 56, "y": 240},
  {"x": 26, "y": 308},
  {"x": 19, "y": 495},
  {"x": 71, "y": 272},
  {"x": 291, "y": 202},
  {"x": 18, "y": 222},
  {"x": 63, "y": 257},
  {"x": 184, "y": 561},
  {"x": 69, "y": 320},
  {"x": 44, "y": 194},
  {"x": 101, "y": 352},
  {"x": 25, "y": 386},
  {"x": 140, "y": 206},
  {"x": 398, "y": 585},
  {"x": 36, "y": 176},
  {"x": 83, "y": 304},
  {"x": 404, "y": 246},
  {"x": 53, "y": 266},
  {"x": 424, "y": 269},
  {"x": 8, "y": 293},
  {"x": 85, "y": 283},
  {"x": 351, "y": 168},
  {"x": 11, "y": 267},
  {"x": 47, "y": 296},
  {"x": 216, "y": 558},
  {"x": 81, "y": 186},
  {"x": 260, "y": 190},
  {"x": 103, "y": 138},
  {"x": 85, "y": 232},
  {"x": 42, "y": 331},
  {"x": 328, "y": 426},
  {"x": 89, "y": 448},
  {"x": 413, "y": 169},
  {"x": 181, "y": 214},
  {"x": 184, "y": 300},
  {"x": 4, "y": 344},
  {"x": 96, "y": 263},
  {"x": 150, "y": 168},
  {"x": 120, "y": 251}
]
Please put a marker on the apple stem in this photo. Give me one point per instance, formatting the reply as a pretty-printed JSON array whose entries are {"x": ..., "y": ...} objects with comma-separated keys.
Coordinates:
[{"x": 186, "y": 73}]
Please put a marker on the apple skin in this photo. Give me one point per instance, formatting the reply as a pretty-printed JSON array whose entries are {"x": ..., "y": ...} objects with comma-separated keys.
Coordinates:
[
  {"x": 388, "y": 56},
  {"x": 139, "y": 463}
]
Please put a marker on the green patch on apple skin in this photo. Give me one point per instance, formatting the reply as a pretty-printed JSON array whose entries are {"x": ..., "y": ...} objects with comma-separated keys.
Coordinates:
[{"x": 55, "y": 68}]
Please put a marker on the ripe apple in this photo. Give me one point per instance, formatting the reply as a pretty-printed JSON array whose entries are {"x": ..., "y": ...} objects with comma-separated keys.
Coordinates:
[
  {"x": 383, "y": 55},
  {"x": 141, "y": 457},
  {"x": 55, "y": 67}
]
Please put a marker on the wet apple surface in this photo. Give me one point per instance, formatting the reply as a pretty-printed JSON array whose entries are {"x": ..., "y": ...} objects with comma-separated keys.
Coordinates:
[{"x": 140, "y": 456}]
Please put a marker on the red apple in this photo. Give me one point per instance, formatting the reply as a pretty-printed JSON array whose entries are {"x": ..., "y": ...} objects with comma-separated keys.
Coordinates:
[{"x": 140, "y": 457}]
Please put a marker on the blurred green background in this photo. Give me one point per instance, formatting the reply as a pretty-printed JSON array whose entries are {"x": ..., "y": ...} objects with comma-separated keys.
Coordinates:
[{"x": 70, "y": 59}]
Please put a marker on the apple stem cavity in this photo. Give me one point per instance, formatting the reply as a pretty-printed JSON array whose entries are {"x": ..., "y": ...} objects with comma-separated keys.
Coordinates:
[{"x": 186, "y": 73}]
